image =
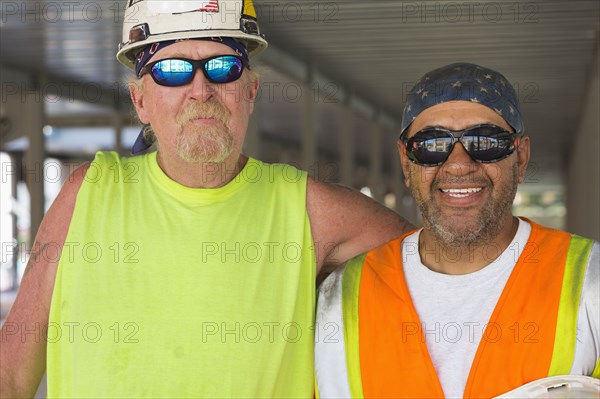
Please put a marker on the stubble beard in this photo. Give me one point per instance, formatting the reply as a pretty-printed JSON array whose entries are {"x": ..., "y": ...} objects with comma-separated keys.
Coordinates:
[
  {"x": 204, "y": 143},
  {"x": 467, "y": 232}
]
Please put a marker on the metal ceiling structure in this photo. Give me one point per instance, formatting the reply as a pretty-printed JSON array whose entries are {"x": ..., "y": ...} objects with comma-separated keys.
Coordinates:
[{"x": 363, "y": 55}]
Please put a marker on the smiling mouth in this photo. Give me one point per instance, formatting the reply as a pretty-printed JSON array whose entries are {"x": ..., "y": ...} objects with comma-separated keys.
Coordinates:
[{"x": 460, "y": 192}]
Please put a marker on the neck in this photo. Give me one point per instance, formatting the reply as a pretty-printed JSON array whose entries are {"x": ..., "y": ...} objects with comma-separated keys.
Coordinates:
[
  {"x": 201, "y": 175},
  {"x": 464, "y": 259}
]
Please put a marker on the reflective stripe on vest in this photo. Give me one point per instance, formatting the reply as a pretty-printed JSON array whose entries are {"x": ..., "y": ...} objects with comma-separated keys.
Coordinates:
[
  {"x": 551, "y": 278},
  {"x": 566, "y": 326},
  {"x": 590, "y": 296},
  {"x": 342, "y": 372}
]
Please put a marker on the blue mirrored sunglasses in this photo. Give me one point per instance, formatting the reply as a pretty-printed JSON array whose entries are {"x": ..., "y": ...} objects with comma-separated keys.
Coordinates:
[{"x": 174, "y": 72}]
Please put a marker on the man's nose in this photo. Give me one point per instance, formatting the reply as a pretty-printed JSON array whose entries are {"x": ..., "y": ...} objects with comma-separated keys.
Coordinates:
[
  {"x": 459, "y": 161},
  {"x": 201, "y": 89}
]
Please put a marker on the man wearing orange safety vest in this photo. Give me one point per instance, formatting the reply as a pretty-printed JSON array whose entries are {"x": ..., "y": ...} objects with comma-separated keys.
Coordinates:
[{"x": 478, "y": 302}]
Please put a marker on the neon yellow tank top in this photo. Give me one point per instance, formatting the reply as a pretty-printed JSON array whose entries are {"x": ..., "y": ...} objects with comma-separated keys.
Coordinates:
[{"x": 168, "y": 291}]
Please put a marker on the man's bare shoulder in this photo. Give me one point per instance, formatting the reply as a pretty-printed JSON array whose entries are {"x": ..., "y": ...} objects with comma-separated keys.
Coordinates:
[
  {"x": 74, "y": 181},
  {"x": 346, "y": 223},
  {"x": 56, "y": 223}
]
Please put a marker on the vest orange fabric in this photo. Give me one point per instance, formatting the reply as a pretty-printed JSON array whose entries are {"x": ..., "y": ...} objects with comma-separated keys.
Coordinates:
[{"x": 516, "y": 347}]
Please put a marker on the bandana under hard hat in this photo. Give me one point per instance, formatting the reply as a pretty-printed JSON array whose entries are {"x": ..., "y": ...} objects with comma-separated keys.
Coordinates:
[
  {"x": 464, "y": 82},
  {"x": 148, "y": 52}
]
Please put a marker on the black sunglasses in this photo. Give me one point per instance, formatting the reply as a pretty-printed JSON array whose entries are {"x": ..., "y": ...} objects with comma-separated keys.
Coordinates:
[
  {"x": 484, "y": 143},
  {"x": 174, "y": 72}
]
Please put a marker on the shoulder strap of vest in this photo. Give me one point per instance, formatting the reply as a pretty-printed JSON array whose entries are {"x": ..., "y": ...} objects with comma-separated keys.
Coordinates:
[
  {"x": 566, "y": 328},
  {"x": 590, "y": 297},
  {"x": 337, "y": 363},
  {"x": 350, "y": 295}
]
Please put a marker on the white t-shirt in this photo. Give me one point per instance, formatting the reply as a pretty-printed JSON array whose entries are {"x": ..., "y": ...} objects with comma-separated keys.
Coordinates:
[{"x": 455, "y": 309}]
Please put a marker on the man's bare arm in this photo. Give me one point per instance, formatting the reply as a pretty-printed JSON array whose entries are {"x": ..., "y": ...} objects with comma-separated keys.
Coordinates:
[
  {"x": 23, "y": 355},
  {"x": 346, "y": 223}
]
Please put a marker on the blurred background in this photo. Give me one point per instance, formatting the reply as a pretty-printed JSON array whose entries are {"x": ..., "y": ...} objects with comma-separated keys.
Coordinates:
[{"x": 334, "y": 79}]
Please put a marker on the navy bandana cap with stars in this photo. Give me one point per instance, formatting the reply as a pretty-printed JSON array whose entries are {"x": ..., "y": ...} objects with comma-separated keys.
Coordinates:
[{"x": 464, "y": 82}]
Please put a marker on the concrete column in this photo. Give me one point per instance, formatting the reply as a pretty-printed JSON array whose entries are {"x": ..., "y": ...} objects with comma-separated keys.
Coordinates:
[
  {"x": 252, "y": 141},
  {"x": 346, "y": 142},
  {"x": 583, "y": 174},
  {"x": 405, "y": 203},
  {"x": 309, "y": 139},
  {"x": 375, "y": 161},
  {"x": 33, "y": 124},
  {"x": 117, "y": 123},
  {"x": 14, "y": 180},
  {"x": 398, "y": 183}
]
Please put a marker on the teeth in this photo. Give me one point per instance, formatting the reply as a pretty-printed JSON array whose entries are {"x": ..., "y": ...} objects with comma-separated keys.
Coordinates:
[{"x": 460, "y": 192}]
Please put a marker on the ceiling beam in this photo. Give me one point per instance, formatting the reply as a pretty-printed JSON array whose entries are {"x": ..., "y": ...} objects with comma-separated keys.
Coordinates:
[{"x": 328, "y": 89}]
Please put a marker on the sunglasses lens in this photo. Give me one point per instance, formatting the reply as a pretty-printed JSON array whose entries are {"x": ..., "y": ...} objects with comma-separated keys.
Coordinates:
[
  {"x": 488, "y": 143},
  {"x": 429, "y": 147},
  {"x": 224, "y": 69},
  {"x": 179, "y": 72},
  {"x": 172, "y": 72},
  {"x": 485, "y": 143}
]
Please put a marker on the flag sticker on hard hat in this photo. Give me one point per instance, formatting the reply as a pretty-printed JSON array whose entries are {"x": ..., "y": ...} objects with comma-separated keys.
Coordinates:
[
  {"x": 182, "y": 6},
  {"x": 211, "y": 6}
]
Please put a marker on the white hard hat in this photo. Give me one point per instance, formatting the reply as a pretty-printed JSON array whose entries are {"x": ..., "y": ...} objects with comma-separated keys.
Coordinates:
[
  {"x": 557, "y": 387},
  {"x": 151, "y": 21}
]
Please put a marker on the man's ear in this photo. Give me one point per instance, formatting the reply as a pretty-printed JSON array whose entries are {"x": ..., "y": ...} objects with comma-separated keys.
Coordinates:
[
  {"x": 136, "y": 91},
  {"x": 404, "y": 161},
  {"x": 523, "y": 157}
]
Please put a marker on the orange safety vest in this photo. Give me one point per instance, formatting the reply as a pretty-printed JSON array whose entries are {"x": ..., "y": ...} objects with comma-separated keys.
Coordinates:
[{"x": 382, "y": 350}]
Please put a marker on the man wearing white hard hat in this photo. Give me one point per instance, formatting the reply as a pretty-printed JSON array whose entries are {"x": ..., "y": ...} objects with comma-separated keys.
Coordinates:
[{"x": 188, "y": 271}]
